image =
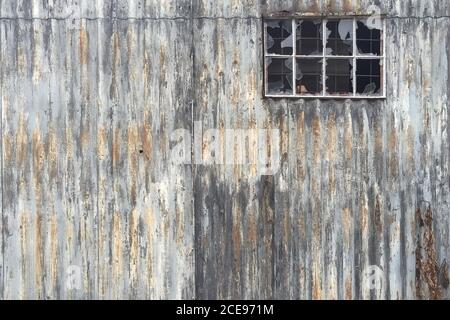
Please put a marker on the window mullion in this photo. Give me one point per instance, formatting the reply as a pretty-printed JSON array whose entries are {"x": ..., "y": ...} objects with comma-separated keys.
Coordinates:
[
  {"x": 354, "y": 58},
  {"x": 294, "y": 64},
  {"x": 266, "y": 73},
  {"x": 383, "y": 38},
  {"x": 324, "y": 42}
]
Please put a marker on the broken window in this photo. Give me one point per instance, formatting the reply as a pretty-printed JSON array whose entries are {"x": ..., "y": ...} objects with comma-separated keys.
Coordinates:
[
  {"x": 309, "y": 37},
  {"x": 309, "y": 76},
  {"x": 279, "y": 37},
  {"x": 368, "y": 76},
  {"x": 339, "y": 76},
  {"x": 339, "y": 37},
  {"x": 279, "y": 75},
  {"x": 368, "y": 40},
  {"x": 330, "y": 58}
]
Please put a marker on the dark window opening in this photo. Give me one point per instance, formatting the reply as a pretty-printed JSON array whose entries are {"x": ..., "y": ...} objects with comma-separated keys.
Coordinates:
[
  {"x": 280, "y": 75},
  {"x": 340, "y": 37},
  {"x": 309, "y": 37},
  {"x": 339, "y": 76},
  {"x": 368, "y": 76},
  {"x": 309, "y": 76},
  {"x": 368, "y": 41},
  {"x": 279, "y": 39}
]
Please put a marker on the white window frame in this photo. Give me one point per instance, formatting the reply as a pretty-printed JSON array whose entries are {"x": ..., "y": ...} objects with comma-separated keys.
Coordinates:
[{"x": 324, "y": 56}]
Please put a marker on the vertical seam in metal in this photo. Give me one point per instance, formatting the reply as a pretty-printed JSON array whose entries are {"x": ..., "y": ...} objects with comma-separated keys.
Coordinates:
[
  {"x": 193, "y": 171},
  {"x": 2, "y": 293},
  {"x": 98, "y": 160},
  {"x": 294, "y": 52},
  {"x": 98, "y": 182}
]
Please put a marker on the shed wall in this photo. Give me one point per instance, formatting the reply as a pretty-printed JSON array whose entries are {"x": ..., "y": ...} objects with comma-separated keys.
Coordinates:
[{"x": 93, "y": 205}]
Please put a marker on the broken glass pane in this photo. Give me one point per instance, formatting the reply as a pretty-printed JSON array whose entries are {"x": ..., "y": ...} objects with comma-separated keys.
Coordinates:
[
  {"x": 368, "y": 38},
  {"x": 339, "y": 76},
  {"x": 279, "y": 75},
  {"x": 308, "y": 76},
  {"x": 309, "y": 37},
  {"x": 340, "y": 37},
  {"x": 368, "y": 76},
  {"x": 279, "y": 37}
]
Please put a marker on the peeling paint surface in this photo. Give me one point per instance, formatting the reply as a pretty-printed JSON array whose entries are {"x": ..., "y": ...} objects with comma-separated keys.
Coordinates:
[{"x": 94, "y": 207}]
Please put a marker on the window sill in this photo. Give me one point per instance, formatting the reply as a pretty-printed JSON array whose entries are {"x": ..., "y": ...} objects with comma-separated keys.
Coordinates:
[{"x": 278, "y": 96}]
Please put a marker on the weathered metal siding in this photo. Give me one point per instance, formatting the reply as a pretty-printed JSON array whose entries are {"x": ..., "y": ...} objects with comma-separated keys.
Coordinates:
[
  {"x": 88, "y": 103},
  {"x": 90, "y": 99}
]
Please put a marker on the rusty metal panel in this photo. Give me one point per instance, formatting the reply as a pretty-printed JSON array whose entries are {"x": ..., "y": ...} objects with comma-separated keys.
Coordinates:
[
  {"x": 145, "y": 207},
  {"x": 256, "y": 8},
  {"x": 94, "y": 209},
  {"x": 234, "y": 206},
  {"x": 49, "y": 165},
  {"x": 94, "y": 205},
  {"x": 358, "y": 174}
]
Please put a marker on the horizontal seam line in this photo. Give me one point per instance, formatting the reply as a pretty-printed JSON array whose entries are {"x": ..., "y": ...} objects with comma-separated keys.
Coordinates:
[{"x": 200, "y": 18}]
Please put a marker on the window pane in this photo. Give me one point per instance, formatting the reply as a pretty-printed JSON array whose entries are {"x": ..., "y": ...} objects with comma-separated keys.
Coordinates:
[
  {"x": 368, "y": 76},
  {"x": 279, "y": 75},
  {"x": 279, "y": 37},
  {"x": 308, "y": 76},
  {"x": 309, "y": 37},
  {"x": 339, "y": 76},
  {"x": 340, "y": 37},
  {"x": 368, "y": 37}
]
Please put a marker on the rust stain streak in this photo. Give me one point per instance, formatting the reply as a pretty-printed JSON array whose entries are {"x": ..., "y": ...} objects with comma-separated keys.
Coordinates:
[{"x": 83, "y": 46}]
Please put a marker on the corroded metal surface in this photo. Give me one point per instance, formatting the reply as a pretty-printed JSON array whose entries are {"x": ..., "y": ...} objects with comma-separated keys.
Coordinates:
[{"x": 94, "y": 207}]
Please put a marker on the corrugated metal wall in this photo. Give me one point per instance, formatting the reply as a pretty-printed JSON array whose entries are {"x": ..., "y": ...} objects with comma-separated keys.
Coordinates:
[{"x": 93, "y": 206}]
